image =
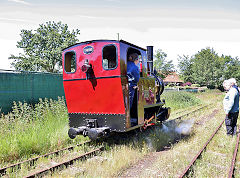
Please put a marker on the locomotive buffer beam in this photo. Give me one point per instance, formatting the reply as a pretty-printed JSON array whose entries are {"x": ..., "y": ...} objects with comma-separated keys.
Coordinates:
[{"x": 92, "y": 133}]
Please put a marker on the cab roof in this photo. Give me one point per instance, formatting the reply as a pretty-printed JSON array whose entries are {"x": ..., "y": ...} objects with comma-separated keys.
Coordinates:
[{"x": 94, "y": 41}]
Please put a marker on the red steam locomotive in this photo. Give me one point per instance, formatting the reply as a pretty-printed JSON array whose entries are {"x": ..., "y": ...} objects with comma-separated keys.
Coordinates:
[{"x": 96, "y": 89}]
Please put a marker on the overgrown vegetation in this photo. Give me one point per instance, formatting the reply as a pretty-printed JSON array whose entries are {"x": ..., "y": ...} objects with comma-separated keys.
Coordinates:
[
  {"x": 179, "y": 100},
  {"x": 38, "y": 130},
  {"x": 31, "y": 130}
]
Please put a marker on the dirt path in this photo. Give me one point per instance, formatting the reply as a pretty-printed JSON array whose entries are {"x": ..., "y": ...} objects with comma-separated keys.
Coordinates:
[
  {"x": 203, "y": 120},
  {"x": 142, "y": 165},
  {"x": 146, "y": 163}
]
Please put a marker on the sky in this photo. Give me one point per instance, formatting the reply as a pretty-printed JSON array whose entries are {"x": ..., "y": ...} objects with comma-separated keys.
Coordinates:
[{"x": 178, "y": 27}]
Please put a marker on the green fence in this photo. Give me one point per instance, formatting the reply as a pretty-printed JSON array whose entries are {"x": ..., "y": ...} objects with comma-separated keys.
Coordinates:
[{"x": 28, "y": 87}]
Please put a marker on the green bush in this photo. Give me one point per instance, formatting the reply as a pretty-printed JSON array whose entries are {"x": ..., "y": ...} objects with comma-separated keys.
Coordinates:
[{"x": 180, "y": 100}]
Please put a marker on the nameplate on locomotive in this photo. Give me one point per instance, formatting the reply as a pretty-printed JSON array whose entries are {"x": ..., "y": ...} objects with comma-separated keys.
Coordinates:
[{"x": 88, "y": 50}]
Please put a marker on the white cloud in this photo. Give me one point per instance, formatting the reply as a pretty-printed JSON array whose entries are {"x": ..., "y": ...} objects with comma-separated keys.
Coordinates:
[{"x": 20, "y": 1}]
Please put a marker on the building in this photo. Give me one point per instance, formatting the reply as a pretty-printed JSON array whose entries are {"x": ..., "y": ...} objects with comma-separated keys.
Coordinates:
[{"x": 173, "y": 78}]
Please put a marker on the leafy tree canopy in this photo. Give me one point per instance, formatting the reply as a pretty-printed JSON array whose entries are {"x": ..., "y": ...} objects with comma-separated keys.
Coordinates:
[
  {"x": 209, "y": 69},
  {"x": 160, "y": 63},
  {"x": 184, "y": 65},
  {"x": 43, "y": 47}
]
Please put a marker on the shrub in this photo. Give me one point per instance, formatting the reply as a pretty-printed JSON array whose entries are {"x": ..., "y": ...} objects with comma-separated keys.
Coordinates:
[
  {"x": 179, "y": 100},
  {"x": 187, "y": 84}
]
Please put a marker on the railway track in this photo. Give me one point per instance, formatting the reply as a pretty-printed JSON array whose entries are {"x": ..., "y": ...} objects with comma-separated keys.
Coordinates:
[
  {"x": 232, "y": 168},
  {"x": 182, "y": 111},
  {"x": 190, "y": 112},
  {"x": 65, "y": 163},
  {"x": 62, "y": 164},
  {"x": 187, "y": 170},
  {"x": 32, "y": 161}
]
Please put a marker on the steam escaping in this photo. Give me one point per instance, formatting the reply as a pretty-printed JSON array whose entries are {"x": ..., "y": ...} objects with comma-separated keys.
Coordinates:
[
  {"x": 184, "y": 128},
  {"x": 162, "y": 136},
  {"x": 165, "y": 128}
]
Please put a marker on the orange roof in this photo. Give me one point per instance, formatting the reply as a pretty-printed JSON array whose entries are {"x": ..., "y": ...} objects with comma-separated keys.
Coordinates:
[{"x": 173, "y": 77}]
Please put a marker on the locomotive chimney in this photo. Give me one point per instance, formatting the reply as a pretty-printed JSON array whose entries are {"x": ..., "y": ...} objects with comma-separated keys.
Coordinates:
[{"x": 150, "y": 59}]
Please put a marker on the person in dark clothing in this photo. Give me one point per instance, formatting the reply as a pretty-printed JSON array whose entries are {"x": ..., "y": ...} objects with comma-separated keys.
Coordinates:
[
  {"x": 133, "y": 75},
  {"x": 231, "y": 106}
]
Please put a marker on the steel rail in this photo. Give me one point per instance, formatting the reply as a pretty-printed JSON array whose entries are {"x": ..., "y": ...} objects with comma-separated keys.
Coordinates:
[
  {"x": 179, "y": 117},
  {"x": 32, "y": 160},
  {"x": 65, "y": 163},
  {"x": 231, "y": 172},
  {"x": 199, "y": 106},
  {"x": 186, "y": 171}
]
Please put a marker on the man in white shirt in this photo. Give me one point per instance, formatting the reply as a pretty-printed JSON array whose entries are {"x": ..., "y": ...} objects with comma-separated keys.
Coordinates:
[{"x": 231, "y": 106}]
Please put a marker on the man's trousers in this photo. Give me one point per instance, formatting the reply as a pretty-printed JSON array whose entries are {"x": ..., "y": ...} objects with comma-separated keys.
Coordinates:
[{"x": 231, "y": 123}]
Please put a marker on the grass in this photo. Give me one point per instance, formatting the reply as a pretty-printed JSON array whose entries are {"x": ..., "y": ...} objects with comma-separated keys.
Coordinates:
[
  {"x": 181, "y": 149},
  {"x": 110, "y": 163},
  {"x": 114, "y": 161},
  {"x": 179, "y": 100},
  {"x": 28, "y": 130},
  {"x": 215, "y": 161}
]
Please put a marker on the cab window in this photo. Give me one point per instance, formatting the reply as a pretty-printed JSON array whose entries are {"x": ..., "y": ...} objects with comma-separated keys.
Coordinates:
[
  {"x": 109, "y": 55},
  {"x": 70, "y": 62}
]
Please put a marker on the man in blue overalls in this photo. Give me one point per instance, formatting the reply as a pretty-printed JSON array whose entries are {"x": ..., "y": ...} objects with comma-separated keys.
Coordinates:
[{"x": 133, "y": 75}]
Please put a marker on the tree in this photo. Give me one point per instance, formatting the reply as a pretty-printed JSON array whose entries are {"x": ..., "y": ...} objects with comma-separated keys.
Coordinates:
[
  {"x": 207, "y": 68},
  {"x": 43, "y": 47},
  {"x": 160, "y": 63},
  {"x": 184, "y": 65},
  {"x": 231, "y": 67}
]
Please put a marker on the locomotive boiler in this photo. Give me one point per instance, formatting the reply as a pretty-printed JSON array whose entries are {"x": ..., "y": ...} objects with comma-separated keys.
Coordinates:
[{"x": 96, "y": 87}]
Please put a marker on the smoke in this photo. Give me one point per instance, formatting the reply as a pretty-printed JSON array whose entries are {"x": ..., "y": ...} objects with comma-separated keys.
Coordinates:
[
  {"x": 165, "y": 128},
  {"x": 161, "y": 137},
  {"x": 185, "y": 127}
]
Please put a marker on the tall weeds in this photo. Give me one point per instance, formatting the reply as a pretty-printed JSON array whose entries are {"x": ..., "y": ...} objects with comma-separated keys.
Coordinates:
[
  {"x": 180, "y": 100},
  {"x": 31, "y": 129}
]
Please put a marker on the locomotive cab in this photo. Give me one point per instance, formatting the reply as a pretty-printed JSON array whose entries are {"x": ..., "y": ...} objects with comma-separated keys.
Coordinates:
[{"x": 96, "y": 87}]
